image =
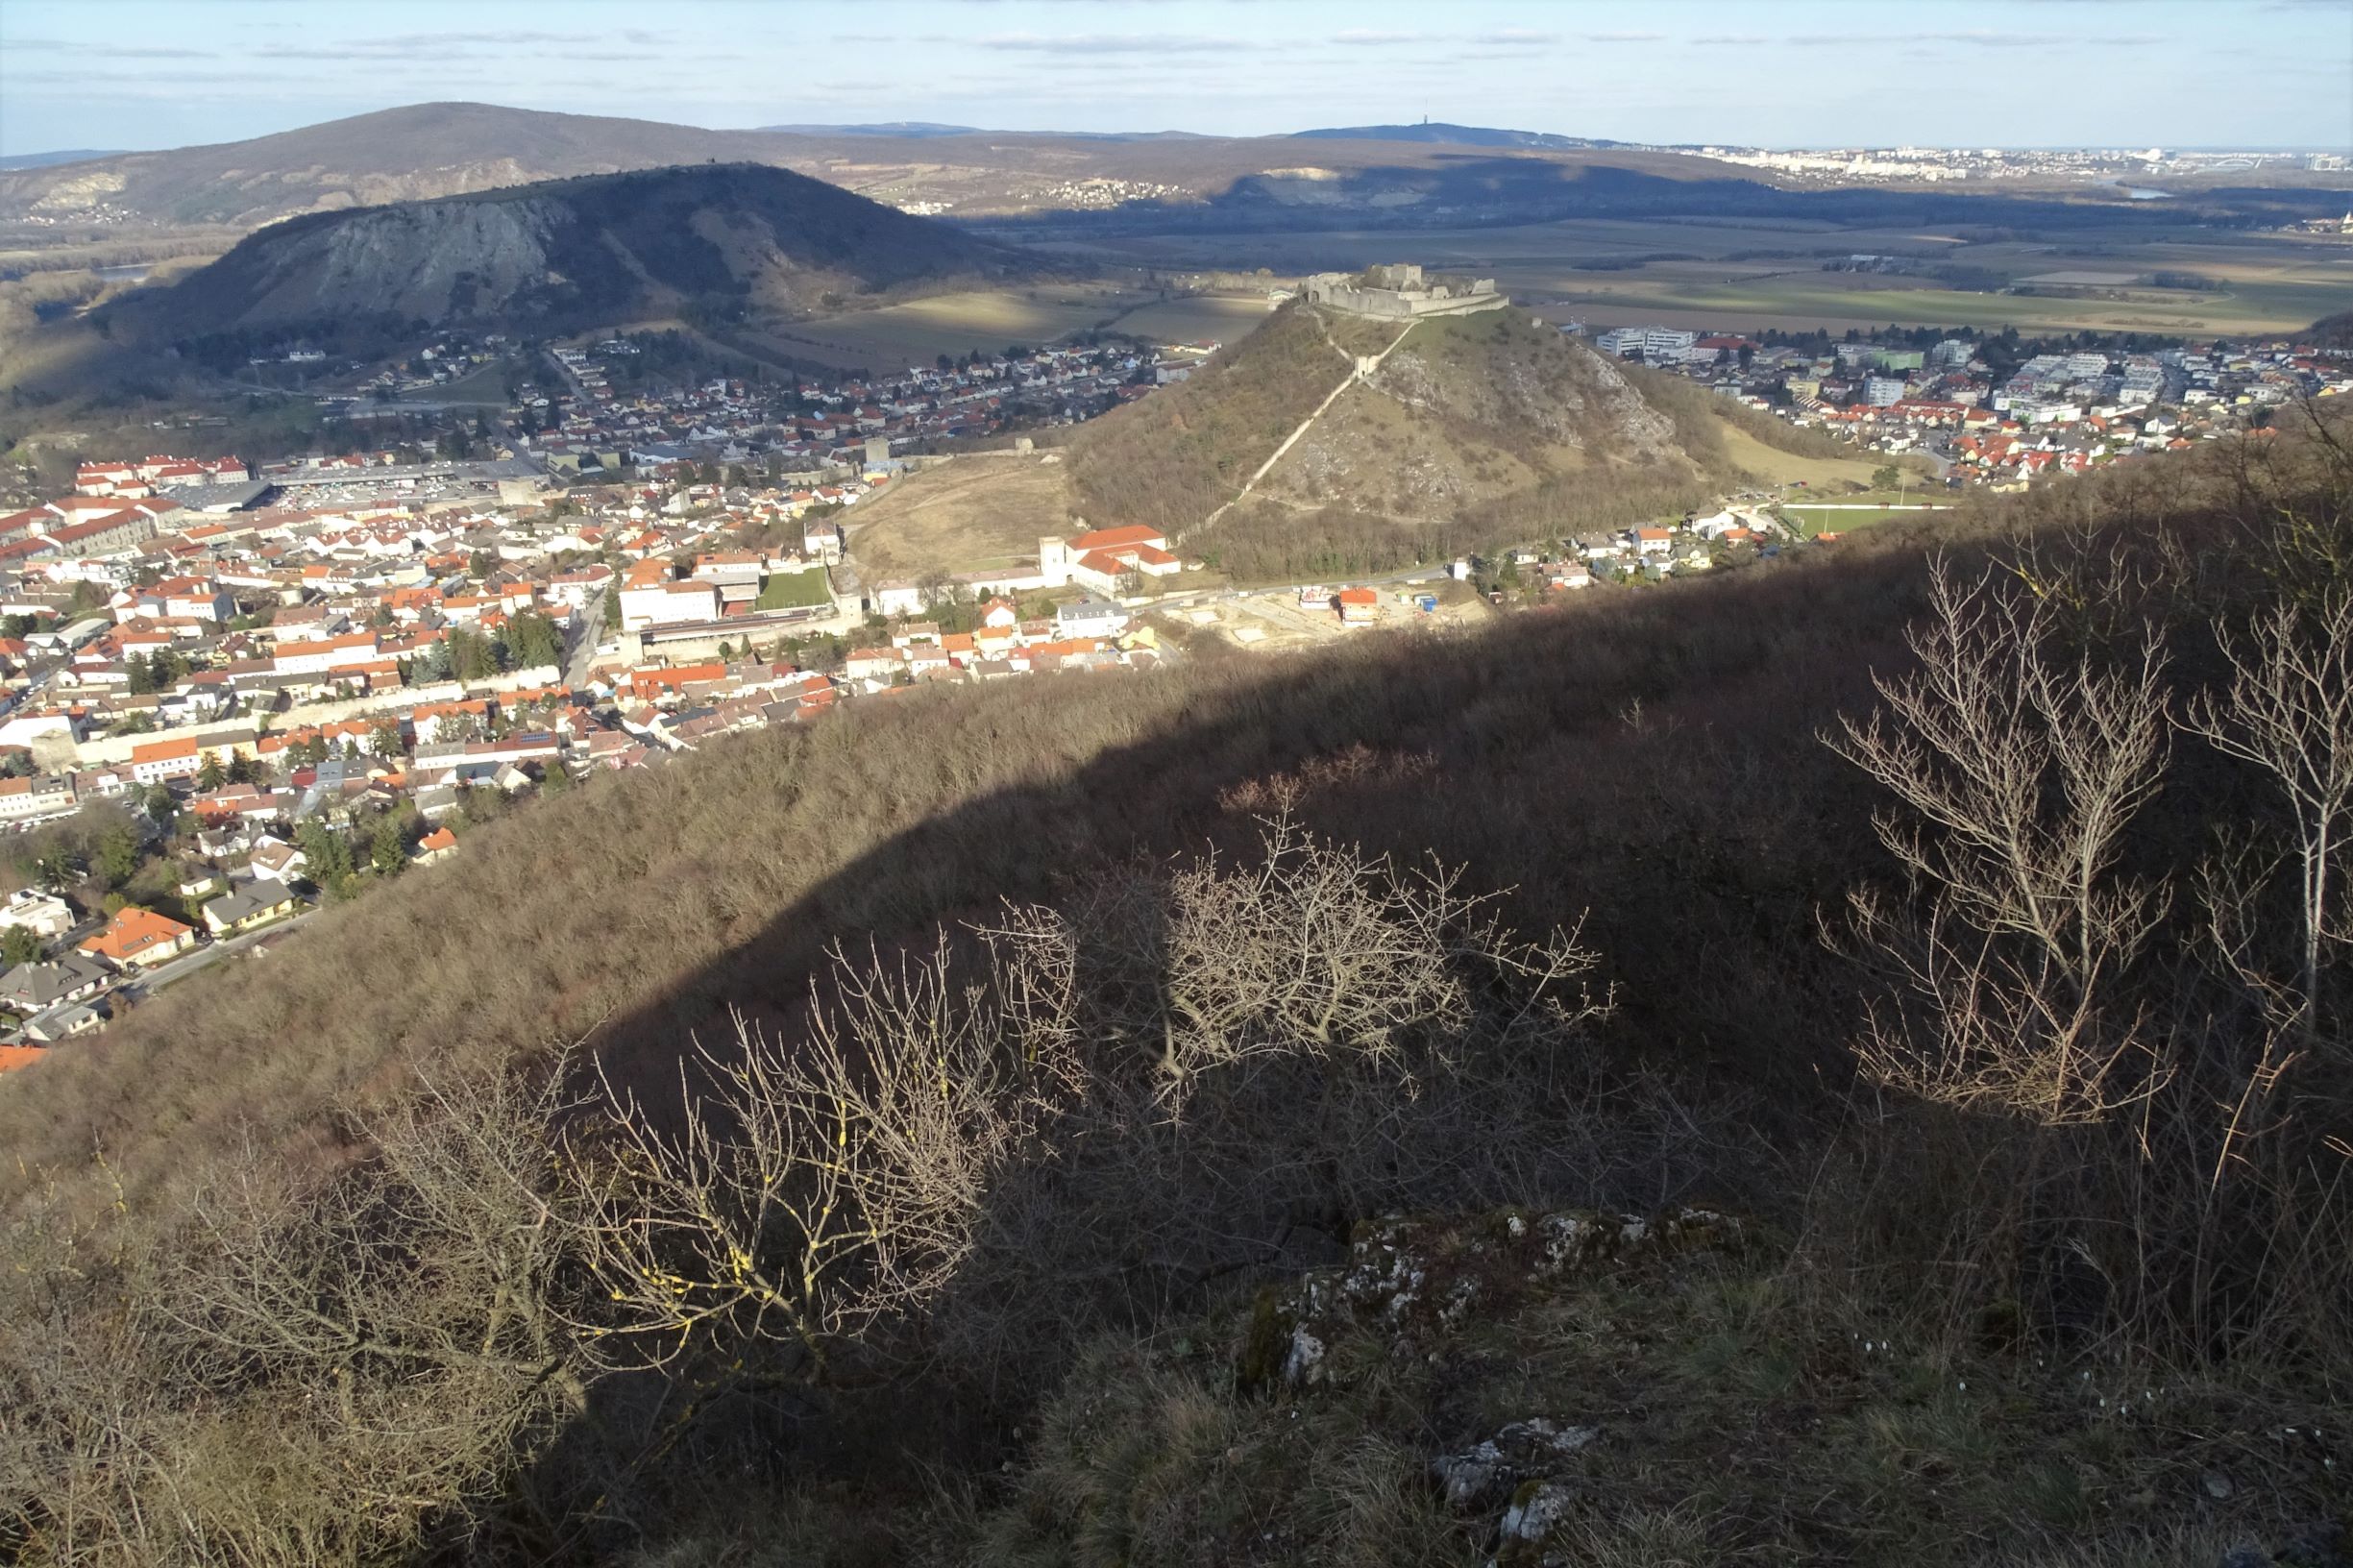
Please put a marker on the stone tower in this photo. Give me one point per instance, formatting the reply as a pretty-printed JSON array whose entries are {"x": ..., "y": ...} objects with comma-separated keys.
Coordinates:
[{"x": 1054, "y": 563}]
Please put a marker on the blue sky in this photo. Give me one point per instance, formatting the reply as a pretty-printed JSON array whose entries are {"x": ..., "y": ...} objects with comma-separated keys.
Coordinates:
[{"x": 161, "y": 73}]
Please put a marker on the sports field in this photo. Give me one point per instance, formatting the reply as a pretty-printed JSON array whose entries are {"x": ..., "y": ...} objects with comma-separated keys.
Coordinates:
[
  {"x": 1810, "y": 520},
  {"x": 791, "y": 590}
]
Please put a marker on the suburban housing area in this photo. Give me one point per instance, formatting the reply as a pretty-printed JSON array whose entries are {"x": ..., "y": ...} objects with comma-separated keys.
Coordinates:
[{"x": 234, "y": 689}]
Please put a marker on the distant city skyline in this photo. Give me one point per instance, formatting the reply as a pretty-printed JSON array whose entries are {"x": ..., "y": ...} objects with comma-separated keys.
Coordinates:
[{"x": 2177, "y": 74}]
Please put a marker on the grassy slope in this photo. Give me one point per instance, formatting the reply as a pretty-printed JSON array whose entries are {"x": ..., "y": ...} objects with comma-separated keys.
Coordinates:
[
  {"x": 1172, "y": 458},
  {"x": 1740, "y": 1419},
  {"x": 975, "y": 514},
  {"x": 1466, "y": 412},
  {"x": 1771, "y": 465}
]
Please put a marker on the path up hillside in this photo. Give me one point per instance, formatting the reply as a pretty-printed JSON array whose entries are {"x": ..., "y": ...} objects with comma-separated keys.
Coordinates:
[
  {"x": 1469, "y": 409},
  {"x": 1470, "y": 432}
]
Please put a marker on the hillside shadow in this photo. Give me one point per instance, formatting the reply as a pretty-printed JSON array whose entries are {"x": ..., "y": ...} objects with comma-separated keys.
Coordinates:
[
  {"x": 1650, "y": 760},
  {"x": 1473, "y": 189},
  {"x": 1606, "y": 760}
]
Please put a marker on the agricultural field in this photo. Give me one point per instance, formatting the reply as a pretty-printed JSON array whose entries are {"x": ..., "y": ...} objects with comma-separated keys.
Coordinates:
[
  {"x": 1197, "y": 318},
  {"x": 1748, "y": 276},
  {"x": 978, "y": 513},
  {"x": 987, "y": 321},
  {"x": 1805, "y": 300}
]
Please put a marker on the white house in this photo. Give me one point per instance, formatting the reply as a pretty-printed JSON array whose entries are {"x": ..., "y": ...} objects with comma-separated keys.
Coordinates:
[
  {"x": 667, "y": 604},
  {"x": 898, "y": 598},
  {"x": 1089, "y": 618},
  {"x": 29, "y": 909}
]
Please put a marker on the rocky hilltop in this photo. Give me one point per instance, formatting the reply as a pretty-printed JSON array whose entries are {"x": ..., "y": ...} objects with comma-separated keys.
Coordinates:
[{"x": 727, "y": 236}]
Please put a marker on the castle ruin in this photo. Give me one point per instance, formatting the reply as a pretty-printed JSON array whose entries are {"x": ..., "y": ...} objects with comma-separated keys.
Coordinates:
[{"x": 1397, "y": 292}]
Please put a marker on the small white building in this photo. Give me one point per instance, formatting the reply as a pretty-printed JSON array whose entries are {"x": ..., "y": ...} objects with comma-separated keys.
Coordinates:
[
  {"x": 45, "y": 916},
  {"x": 667, "y": 604},
  {"x": 1091, "y": 618},
  {"x": 898, "y": 598}
]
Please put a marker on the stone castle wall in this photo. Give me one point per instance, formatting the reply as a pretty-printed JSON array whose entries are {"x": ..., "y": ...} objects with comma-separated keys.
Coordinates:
[{"x": 1339, "y": 291}]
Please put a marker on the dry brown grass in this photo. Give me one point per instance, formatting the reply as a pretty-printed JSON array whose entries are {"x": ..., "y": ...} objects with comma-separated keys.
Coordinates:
[{"x": 979, "y": 513}]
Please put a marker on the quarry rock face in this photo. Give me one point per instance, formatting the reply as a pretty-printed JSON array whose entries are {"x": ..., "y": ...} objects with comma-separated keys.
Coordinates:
[{"x": 435, "y": 260}]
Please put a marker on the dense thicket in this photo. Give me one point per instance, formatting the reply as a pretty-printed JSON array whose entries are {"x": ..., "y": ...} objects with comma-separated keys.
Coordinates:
[{"x": 303, "y": 1269}]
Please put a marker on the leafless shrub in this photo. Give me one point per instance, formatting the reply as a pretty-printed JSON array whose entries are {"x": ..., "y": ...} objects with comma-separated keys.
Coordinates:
[
  {"x": 2018, "y": 778},
  {"x": 2138, "y": 988},
  {"x": 819, "y": 1183},
  {"x": 321, "y": 1372},
  {"x": 1143, "y": 1082}
]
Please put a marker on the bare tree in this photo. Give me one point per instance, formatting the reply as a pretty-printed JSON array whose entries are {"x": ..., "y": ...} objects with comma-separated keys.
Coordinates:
[
  {"x": 2016, "y": 775},
  {"x": 2288, "y": 711}
]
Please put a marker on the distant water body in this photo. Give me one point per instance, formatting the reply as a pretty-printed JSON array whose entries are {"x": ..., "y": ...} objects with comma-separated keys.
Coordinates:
[{"x": 2140, "y": 193}]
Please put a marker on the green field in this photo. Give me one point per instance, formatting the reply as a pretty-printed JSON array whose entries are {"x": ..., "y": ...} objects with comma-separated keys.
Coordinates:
[
  {"x": 1811, "y": 520},
  {"x": 792, "y": 590},
  {"x": 485, "y": 384}
]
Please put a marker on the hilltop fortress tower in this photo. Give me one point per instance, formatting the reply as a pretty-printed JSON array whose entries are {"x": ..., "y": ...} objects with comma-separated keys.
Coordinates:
[{"x": 1396, "y": 292}]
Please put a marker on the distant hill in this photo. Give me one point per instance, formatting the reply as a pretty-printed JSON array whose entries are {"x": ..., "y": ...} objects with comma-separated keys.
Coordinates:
[
  {"x": 418, "y": 152},
  {"x": 442, "y": 149},
  {"x": 2334, "y": 332},
  {"x": 1474, "y": 430},
  {"x": 598, "y": 247},
  {"x": 885, "y": 128},
  {"x": 1460, "y": 135},
  {"x": 45, "y": 161},
  {"x": 1052, "y": 186}
]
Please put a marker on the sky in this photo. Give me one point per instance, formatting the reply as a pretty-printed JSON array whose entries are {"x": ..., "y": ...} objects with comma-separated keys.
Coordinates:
[{"x": 137, "y": 74}]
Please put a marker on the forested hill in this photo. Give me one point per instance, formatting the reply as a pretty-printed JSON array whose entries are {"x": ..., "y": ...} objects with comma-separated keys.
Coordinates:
[
  {"x": 608, "y": 247},
  {"x": 1835, "y": 1059}
]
